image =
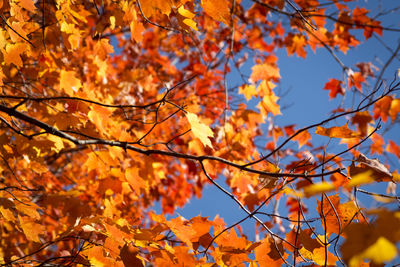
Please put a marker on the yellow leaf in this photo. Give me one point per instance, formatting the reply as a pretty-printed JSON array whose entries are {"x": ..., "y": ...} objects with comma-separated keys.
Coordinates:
[
  {"x": 380, "y": 252},
  {"x": 290, "y": 192},
  {"x": 269, "y": 105},
  {"x": 58, "y": 143},
  {"x": 199, "y": 129},
  {"x": 185, "y": 19},
  {"x": 318, "y": 188},
  {"x": 248, "y": 91},
  {"x": 337, "y": 132},
  {"x": 320, "y": 258},
  {"x": 191, "y": 24},
  {"x": 361, "y": 178},
  {"x": 217, "y": 9},
  {"x": 112, "y": 22},
  {"x": 186, "y": 13},
  {"x": 394, "y": 108}
]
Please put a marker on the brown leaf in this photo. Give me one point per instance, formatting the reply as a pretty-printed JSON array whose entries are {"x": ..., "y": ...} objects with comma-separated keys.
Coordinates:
[{"x": 378, "y": 171}]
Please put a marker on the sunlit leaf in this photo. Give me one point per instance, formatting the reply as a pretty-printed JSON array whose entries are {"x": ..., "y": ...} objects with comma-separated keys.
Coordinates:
[
  {"x": 337, "y": 132},
  {"x": 217, "y": 9},
  {"x": 318, "y": 188},
  {"x": 69, "y": 82},
  {"x": 264, "y": 72},
  {"x": 199, "y": 129},
  {"x": 335, "y": 87}
]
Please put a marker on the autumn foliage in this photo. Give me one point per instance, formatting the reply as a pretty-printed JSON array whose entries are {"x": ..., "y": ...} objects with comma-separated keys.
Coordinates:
[{"x": 111, "y": 109}]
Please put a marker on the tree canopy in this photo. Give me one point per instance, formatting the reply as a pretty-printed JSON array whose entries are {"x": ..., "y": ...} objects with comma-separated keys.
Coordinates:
[{"x": 109, "y": 107}]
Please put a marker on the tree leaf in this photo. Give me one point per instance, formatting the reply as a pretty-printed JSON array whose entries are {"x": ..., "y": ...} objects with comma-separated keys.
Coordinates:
[
  {"x": 335, "y": 88},
  {"x": 337, "y": 132},
  {"x": 69, "y": 82},
  {"x": 368, "y": 170},
  {"x": 264, "y": 72},
  {"x": 318, "y": 188},
  {"x": 199, "y": 129},
  {"x": 217, "y": 9}
]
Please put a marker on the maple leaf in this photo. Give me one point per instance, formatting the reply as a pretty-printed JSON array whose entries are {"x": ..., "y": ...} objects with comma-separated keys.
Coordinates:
[
  {"x": 362, "y": 119},
  {"x": 335, "y": 88},
  {"x": 217, "y": 9},
  {"x": 264, "y": 72},
  {"x": 269, "y": 105},
  {"x": 296, "y": 44},
  {"x": 337, "y": 132},
  {"x": 199, "y": 129},
  {"x": 13, "y": 54},
  {"x": 368, "y": 170},
  {"x": 382, "y": 108},
  {"x": 356, "y": 79},
  {"x": 28, "y": 5},
  {"x": 394, "y": 108},
  {"x": 150, "y": 7},
  {"x": 31, "y": 229},
  {"x": 248, "y": 91},
  {"x": 375, "y": 241},
  {"x": 186, "y": 19},
  {"x": 302, "y": 138},
  {"x": 69, "y": 82}
]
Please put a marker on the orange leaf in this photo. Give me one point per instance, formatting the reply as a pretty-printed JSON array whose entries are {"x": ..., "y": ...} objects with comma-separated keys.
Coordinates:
[
  {"x": 302, "y": 138},
  {"x": 337, "y": 132},
  {"x": 69, "y": 82},
  {"x": 129, "y": 255},
  {"x": 13, "y": 54},
  {"x": 355, "y": 80},
  {"x": 182, "y": 231},
  {"x": 267, "y": 255},
  {"x": 362, "y": 119},
  {"x": 217, "y": 9},
  {"x": 30, "y": 228},
  {"x": 337, "y": 215},
  {"x": 296, "y": 44},
  {"x": 382, "y": 108},
  {"x": 264, "y": 72},
  {"x": 28, "y": 5},
  {"x": 150, "y": 7},
  {"x": 393, "y": 148},
  {"x": 135, "y": 181},
  {"x": 335, "y": 87}
]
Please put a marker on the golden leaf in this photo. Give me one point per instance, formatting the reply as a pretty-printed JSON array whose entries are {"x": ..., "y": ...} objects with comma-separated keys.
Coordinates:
[{"x": 200, "y": 130}]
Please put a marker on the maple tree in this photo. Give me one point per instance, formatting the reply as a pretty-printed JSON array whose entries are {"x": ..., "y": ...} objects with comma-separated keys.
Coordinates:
[{"x": 108, "y": 107}]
